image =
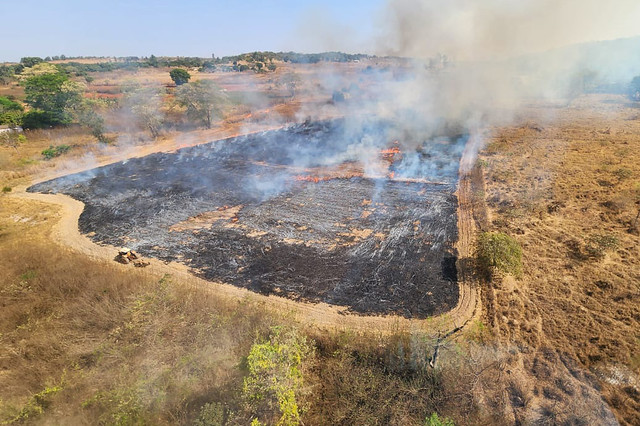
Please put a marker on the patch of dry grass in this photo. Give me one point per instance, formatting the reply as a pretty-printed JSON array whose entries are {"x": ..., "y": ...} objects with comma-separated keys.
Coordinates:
[{"x": 567, "y": 192}]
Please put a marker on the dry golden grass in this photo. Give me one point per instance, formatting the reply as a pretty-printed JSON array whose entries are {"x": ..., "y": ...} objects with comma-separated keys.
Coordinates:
[
  {"x": 567, "y": 187},
  {"x": 120, "y": 344}
]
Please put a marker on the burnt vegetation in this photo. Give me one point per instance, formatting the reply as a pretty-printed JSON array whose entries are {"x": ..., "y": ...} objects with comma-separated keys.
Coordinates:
[{"x": 249, "y": 211}]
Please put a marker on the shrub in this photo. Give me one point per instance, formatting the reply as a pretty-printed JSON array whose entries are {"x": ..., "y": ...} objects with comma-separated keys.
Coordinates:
[
  {"x": 179, "y": 76},
  {"x": 6, "y": 189},
  {"x": 39, "y": 119},
  {"x": 435, "y": 420},
  {"x": 275, "y": 375},
  {"x": 211, "y": 414},
  {"x": 497, "y": 251},
  {"x": 634, "y": 89},
  {"x": 623, "y": 173},
  {"x": 55, "y": 151}
]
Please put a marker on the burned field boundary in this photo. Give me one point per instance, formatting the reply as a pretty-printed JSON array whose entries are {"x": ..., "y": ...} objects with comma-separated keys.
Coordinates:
[{"x": 352, "y": 215}]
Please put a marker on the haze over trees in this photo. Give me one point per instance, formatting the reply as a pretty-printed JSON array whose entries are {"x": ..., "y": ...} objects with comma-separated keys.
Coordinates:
[{"x": 202, "y": 99}]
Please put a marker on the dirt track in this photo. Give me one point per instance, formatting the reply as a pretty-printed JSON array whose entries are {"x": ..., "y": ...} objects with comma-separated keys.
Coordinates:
[{"x": 65, "y": 232}]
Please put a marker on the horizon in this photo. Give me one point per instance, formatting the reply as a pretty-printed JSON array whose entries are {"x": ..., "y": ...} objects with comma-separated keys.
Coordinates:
[{"x": 197, "y": 28}]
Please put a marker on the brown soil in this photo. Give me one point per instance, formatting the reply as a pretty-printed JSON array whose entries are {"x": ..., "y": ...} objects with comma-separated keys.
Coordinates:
[{"x": 566, "y": 185}]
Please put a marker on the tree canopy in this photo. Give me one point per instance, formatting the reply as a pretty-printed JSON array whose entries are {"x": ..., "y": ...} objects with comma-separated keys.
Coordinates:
[
  {"x": 203, "y": 100},
  {"x": 179, "y": 76},
  {"x": 54, "y": 94}
]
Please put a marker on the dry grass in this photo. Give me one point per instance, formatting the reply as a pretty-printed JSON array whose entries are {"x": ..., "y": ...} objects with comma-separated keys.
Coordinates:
[
  {"x": 119, "y": 343},
  {"x": 568, "y": 192}
]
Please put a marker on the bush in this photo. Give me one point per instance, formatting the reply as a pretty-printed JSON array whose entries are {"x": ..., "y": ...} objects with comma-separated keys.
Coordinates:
[
  {"x": 6, "y": 189},
  {"x": 275, "y": 376},
  {"x": 55, "y": 151},
  {"x": 634, "y": 89},
  {"x": 39, "y": 120},
  {"x": 179, "y": 76},
  {"x": 498, "y": 252},
  {"x": 435, "y": 420}
]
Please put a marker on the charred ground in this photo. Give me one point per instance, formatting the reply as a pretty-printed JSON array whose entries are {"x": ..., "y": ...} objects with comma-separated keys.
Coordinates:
[{"x": 294, "y": 212}]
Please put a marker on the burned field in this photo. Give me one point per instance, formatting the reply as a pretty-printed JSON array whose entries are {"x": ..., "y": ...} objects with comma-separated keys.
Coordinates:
[{"x": 352, "y": 215}]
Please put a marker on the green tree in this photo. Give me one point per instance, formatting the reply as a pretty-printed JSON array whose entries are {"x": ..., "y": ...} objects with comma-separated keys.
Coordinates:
[
  {"x": 153, "y": 61},
  {"x": 179, "y": 76},
  {"x": 203, "y": 100},
  {"x": 87, "y": 116},
  {"x": 30, "y": 61},
  {"x": 54, "y": 94},
  {"x": 10, "y": 112}
]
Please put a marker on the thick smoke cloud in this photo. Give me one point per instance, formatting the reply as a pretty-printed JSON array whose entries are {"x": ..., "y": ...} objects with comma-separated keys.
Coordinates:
[{"x": 496, "y": 29}]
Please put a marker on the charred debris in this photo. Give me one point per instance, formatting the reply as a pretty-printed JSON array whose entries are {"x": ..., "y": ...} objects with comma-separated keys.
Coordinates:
[{"x": 352, "y": 214}]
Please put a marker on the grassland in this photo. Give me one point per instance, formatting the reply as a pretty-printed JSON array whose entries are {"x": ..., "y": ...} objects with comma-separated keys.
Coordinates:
[
  {"x": 566, "y": 185},
  {"x": 88, "y": 341}
]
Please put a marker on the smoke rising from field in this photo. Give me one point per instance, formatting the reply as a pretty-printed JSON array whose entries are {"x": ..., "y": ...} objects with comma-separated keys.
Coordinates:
[
  {"x": 497, "y": 29},
  {"x": 476, "y": 62}
]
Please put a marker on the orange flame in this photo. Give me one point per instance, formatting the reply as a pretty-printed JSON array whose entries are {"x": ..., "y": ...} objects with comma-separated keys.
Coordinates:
[{"x": 315, "y": 179}]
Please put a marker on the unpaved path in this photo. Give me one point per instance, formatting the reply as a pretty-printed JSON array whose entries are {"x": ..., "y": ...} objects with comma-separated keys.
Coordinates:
[{"x": 66, "y": 233}]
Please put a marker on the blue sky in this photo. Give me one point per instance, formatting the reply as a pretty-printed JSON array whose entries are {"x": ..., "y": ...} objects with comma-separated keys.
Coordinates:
[{"x": 183, "y": 27}]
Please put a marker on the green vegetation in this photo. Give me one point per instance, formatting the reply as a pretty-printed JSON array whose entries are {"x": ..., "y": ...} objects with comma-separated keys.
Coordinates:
[
  {"x": 6, "y": 189},
  {"x": 497, "y": 251},
  {"x": 52, "y": 96},
  {"x": 179, "y": 76},
  {"x": 275, "y": 375},
  {"x": 36, "y": 405},
  {"x": 55, "y": 151},
  {"x": 435, "y": 420},
  {"x": 10, "y": 112},
  {"x": 145, "y": 105}
]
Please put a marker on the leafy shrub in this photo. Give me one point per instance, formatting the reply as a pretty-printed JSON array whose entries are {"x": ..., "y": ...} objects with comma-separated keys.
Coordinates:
[
  {"x": 55, "y": 151},
  {"x": 275, "y": 375},
  {"x": 435, "y": 420},
  {"x": 211, "y": 414},
  {"x": 6, "y": 189},
  {"x": 497, "y": 251},
  {"x": 39, "y": 119},
  {"x": 179, "y": 76}
]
